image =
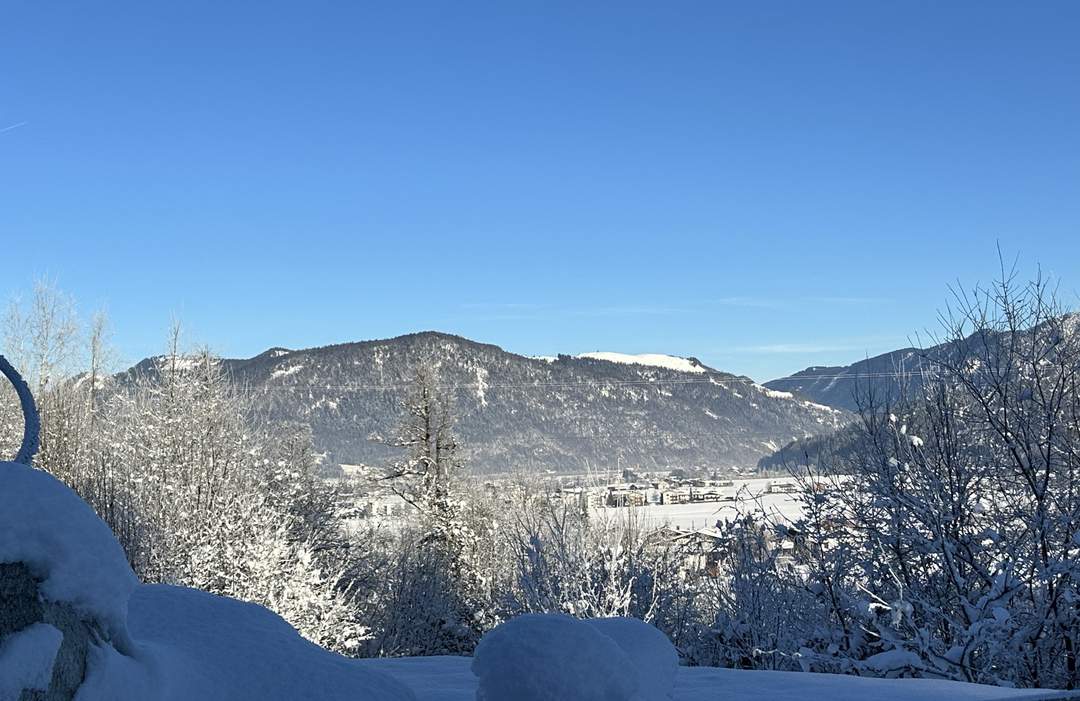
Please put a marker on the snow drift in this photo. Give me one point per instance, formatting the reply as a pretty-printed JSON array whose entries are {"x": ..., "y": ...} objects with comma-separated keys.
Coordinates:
[
  {"x": 552, "y": 657},
  {"x": 652, "y": 655},
  {"x": 549, "y": 657}
]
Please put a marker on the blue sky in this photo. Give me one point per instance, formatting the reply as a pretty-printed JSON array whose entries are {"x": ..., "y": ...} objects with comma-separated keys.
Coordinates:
[{"x": 763, "y": 185}]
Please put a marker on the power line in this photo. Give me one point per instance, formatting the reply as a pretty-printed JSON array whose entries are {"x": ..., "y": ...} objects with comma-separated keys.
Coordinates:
[{"x": 570, "y": 384}]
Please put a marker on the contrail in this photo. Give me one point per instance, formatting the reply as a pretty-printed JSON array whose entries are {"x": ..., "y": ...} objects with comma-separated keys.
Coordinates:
[{"x": 13, "y": 126}]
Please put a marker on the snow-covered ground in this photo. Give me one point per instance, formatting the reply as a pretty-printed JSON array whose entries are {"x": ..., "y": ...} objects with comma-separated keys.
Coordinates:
[
  {"x": 451, "y": 679},
  {"x": 781, "y": 507},
  {"x": 164, "y": 643},
  {"x": 750, "y": 495}
]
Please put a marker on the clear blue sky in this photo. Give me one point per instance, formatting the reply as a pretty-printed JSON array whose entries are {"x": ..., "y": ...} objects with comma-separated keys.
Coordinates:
[{"x": 765, "y": 185}]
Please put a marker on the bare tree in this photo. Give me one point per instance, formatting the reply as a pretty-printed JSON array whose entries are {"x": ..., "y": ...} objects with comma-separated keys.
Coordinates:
[{"x": 425, "y": 475}]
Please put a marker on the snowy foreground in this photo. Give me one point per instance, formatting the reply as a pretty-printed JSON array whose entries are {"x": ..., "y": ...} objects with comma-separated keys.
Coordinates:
[
  {"x": 163, "y": 643},
  {"x": 449, "y": 679}
]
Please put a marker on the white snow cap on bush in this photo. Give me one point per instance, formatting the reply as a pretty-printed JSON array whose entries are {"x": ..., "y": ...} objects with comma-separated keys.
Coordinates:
[
  {"x": 46, "y": 526},
  {"x": 649, "y": 650},
  {"x": 553, "y": 657}
]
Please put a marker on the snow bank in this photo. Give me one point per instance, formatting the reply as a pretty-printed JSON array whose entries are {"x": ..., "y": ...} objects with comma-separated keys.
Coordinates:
[
  {"x": 26, "y": 660},
  {"x": 552, "y": 658},
  {"x": 671, "y": 362},
  {"x": 710, "y": 684},
  {"x": 46, "y": 526},
  {"x": 201, "y": 646},
  {"x": 652, "y": 654},
  {"x": 449, "y": 679}
]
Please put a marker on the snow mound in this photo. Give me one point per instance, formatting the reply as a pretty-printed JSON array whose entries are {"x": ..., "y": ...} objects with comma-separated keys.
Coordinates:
[
  {"x": 26, "y": 660},
  {"x": 671, "y": 362},
  {"x": 650, "y": 651},
  {"x": 46, "y": 526},
  {"x": 552, "y": 657},
  {"x": 202, "y": 646}
]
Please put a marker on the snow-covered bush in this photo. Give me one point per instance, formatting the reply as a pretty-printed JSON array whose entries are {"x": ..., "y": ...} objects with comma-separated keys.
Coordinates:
[
  {"x": 949, "y": 547},
  {"x": 552, "y": 657},
  {"x": 564, "y": 560},
  {"x": 196, "y": 491}
]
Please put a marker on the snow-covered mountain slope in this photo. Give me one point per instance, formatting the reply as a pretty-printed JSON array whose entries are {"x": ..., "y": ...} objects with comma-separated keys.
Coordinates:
[
  {"x": 839, "y": 386},
  {"x": 566, "y": 413},
  {"x": 658, "y": 360}
]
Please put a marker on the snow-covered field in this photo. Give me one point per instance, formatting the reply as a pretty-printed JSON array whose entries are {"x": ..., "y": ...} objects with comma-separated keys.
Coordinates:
[{"x": 751, "y": 495}]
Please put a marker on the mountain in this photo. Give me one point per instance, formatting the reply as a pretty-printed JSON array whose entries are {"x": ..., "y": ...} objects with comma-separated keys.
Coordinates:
[
  {"x": 839, "y": 386},
  {"x": 597, "y": 411},
  {"x": 891, "y": 377}
]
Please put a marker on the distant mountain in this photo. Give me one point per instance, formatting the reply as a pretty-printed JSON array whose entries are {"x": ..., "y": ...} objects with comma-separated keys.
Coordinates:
[
  {"x": 839, "y": 386},
  {"x": 895, "y": 374},
  {"x": 599, "y": 411}
]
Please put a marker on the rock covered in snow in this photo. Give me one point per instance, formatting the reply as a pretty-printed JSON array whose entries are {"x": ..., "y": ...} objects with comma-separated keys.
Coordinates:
[
  {"x": 650, "y": 651},
  {"x": 49, "y": 529},
  {"x": 26, "y": 660},
  {"x": 552, "y": 657}
]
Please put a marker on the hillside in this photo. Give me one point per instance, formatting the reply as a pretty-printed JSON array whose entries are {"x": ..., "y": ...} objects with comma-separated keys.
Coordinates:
[
  {"x": 515, "y": 412},
  {"x": 840, "y": 386}
]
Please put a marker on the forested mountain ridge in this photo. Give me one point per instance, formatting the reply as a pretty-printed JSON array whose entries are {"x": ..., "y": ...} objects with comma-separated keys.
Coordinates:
[
  {"x": 840, "y": 386},
  {"x": 567, "y": 413},
  {"x": 899, "y": 373}
]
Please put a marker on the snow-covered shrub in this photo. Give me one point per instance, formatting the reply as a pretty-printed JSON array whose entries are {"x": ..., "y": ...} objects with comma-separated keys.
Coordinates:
[
  {"x": 416, "y": 607},
  {"x": 949, "y": 546},
  {"x": 552, "y": 657},
  {"x": 564, "y": 560}
]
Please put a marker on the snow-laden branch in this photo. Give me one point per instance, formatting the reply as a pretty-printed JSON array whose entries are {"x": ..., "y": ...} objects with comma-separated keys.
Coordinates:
[{"x": 31, "y": 418}]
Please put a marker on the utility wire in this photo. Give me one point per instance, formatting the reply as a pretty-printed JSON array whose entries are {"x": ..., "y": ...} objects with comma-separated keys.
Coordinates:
[{"x": 568, "y": 385}]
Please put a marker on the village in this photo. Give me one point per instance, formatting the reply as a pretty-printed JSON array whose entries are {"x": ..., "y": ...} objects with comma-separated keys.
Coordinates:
[
  {"x": 666, "y": 491},
  {"x": 689, "y": 514}
]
